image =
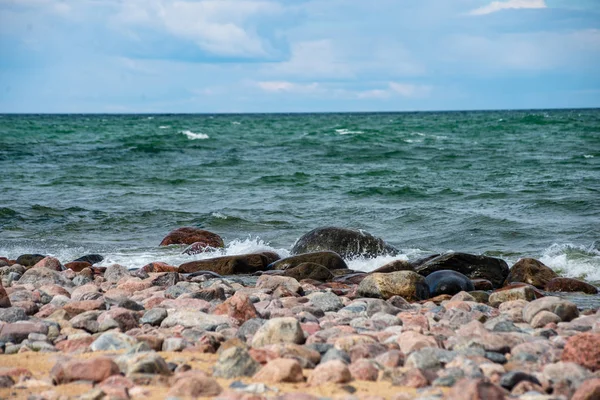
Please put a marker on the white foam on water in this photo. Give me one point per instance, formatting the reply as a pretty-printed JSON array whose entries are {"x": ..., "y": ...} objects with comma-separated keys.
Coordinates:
[
  {"x": 345, "y": 131},
  {"x": 588, "y": 156},
  {"x": 370, "y": 264},
  {"x": 236, "y": 123},
  {"x": 164, "y": 127},
  {"x": 574, "y": 261},
  {"x": 219, "y": 215},
  {"x": 194, "y": 136}
]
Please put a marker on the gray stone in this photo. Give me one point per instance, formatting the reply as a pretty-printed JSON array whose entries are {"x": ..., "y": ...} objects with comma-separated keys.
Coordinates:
[
  {"x": 279, "y": 330},
  {"x": 325, "y": 301},
  {"x": 429, "y": 358},
  {"x": 115, "y": 272},
  {"x": 565, "y": 310},
  {"x": 235, "y": 362},
  {"x": 512, "y": 378},
  {"x": 13, "y": 314},
  {"x": 249, "y": 328},
  {"x": 193, "y": 319},
  {"x": 154, "y": 316},
  {"x": 113, "y": 341},
  {"x": 335, "y": 354},
  {"x": 41, "y": 276}
]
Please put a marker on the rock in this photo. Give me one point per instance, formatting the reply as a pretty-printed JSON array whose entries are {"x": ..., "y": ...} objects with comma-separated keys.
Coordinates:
[
  {"x": 189, "y": 235},
  {"x": 280, "y": 370},
  {"x": 583, "y": 349},
  {"x": 44, "y": 276},
  {"x": 482, "y": 284},
  {"x": 325, "y": 301},
  {"x": 165, "y": 279},
  {"x": 113, "y": 341},
  {"x": 115, "y": 272},
  {"x": 190, "y": 318},
  {"x": 573, "y": 373},
  {"x": 95, "y": 370},
  {"x": 394, "y": 266},
  {"x": 123, "y": 318},
  {"x": 278, "y": 330},
  {"x": 363, "y": 370},
  {"x": 239, "y": 307},
  {"x": 328, "y": 259},
  {"x": 194, "y": 384},
  {"x": 348, "y": 243},
  {"x": 144, "y": 363},
  {"x": 336, "y": 354},
  {"x": 544, "y": 318},
  {"x": 512, "y": 378},
  {"x": 429, "y": 358},
  {"x": 273, "y": 283},
  {"x": 13, "y": 314},
  {"x": 563, "y": 308},
  {"x": 519, "y": 293},
  {"x": 532, "y": 272},
  {"x": 6, "y": 381},
  {"x": 406, "y": 284},
  {"x": 228, "y": 265},
  {"x": 154, "y": 267},
  {"x": 235, "y": 362},
  {"x": 473, "y": 266},
  {"x": 570, "y": 285},
  {"x": 447, "y": 282},
  {"x": 4, "y": 299},
  {"x": 309, "y": 270},
  {"x": 50, "y": 263},
  {"x": 18, "y": 331},
  {"x": 90, "y": 258},
  {"x": 330, "y": 372},
  {"x": 410, "y": 341},
  {"x": 475, "y": 389},
  {"x": 412, "y": 378},
  {"x": 29, "y": 260},
  {"x": 589, "y": 390}
]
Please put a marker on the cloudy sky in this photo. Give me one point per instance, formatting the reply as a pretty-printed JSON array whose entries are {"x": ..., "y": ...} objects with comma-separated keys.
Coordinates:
[{"x": 297, "y": 55}]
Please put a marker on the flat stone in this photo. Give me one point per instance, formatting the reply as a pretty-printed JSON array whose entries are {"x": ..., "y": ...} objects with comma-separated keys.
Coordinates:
[
  {"x": 113, "y": 341},
  {"x": 193, "y": 319},
  {"x": 43, "y": 276},
  {"x": 279, "y": 330},
  {"x": 95, "y": 370},
  {"x": 280, "y": 370}
]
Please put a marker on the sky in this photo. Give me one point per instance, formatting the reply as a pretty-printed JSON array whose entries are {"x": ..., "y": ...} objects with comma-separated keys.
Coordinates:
[{"x": 228, "y": 56}]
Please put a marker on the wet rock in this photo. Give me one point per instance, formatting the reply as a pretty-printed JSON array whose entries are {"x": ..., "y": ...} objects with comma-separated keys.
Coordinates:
[
  {"x": 309, "y": 270},
  {"x": 583, "y": 349},
  {"x": 77, "y": 266},
  {"x": 475, "y": 389},
  {"x": 44, "y": 276},
  {"x": 589, "y": 390},
  {"x": 520, "y": 293},
  {"x": 447, "y": 282},
  {"x": 473, "y": 266},
  {"x": 238, "y": 307},
  {"x": 189, "y": 235},
  {"x": 394, "y": 266},
  {"x": 512, "y": 378},
  {"x": 570, "y": 285},
  {"x": 113, "y": 341},
  {"x": 90, "y": 258},
  {"x": 189, "y": 318},
  {"x": 348, "y": 243},
  {"x": 532, "y": 272},
  {"x": 406, "y": 284},
  {"x": 328, "y": 259},
  {"x": 280, "y": 370},
  {"x": 194, "y": 384},
  {"x": 563, "y": 308},
  {"x": 29, "y": 260},
  {"x": 228, "y": 265},
  {"x": 330, "y": 372},
  {"x": 154, "y": 267},
  {"x": 482, "y": 284},
  {"x": 95, "y": 370},
  {"x": 115, "y": 272},
  {"x": 235, "y": 362},
  {"x": 278, "y": 330}
]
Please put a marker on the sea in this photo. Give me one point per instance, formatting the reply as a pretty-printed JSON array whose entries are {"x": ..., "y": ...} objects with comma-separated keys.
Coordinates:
[{"x": 508, "y": 184}]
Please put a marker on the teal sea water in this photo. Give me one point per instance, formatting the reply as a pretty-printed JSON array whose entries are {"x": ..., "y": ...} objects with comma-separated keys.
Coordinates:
[{"x": 502, "y": 183}]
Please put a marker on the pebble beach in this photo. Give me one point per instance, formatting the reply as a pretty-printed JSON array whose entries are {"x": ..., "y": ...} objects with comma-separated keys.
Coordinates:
[{"x": 258, "y": 326}]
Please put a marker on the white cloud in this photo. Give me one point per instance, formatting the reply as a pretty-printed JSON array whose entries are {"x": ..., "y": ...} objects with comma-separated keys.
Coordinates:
[
  {"x": 410, "y": 90},
  {"x": 288, "y": 87},
  {"x": 496, "y": 6}
]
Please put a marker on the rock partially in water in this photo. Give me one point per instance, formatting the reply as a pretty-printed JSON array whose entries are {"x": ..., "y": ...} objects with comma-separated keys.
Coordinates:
[
  {"x": 328, "y": 259},
  {"x": 532, "y": 272},
  {"x": 348, "y": 243},
  {"x": 570, "y": 285},
  {"x": 448, "y": 282},
  {"x": 407, "y": 284},
  {"x": 309, "y": 270},
  {"x": 189, "y": 235},
  {"x": 228, "y": 265},
  {"x": 29, "y": 260}
]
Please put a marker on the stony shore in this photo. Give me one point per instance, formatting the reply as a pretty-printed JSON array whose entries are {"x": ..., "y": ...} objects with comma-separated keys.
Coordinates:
[{"x": 452, "y": 326}]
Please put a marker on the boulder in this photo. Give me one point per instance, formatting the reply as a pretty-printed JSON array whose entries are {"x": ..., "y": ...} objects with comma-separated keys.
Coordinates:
[
  {"x": 518, "y": 293},
  {"x": 407, "y": 284},
  {"x": 278, "y": 330},
  {"x": 49, "y": 262},
  {"x": 309, "y": 270},
  {"x": 280, "y": 370},
  {"x": 95, "y": 370},
  {"x": 393, "y": 266},
  {"x": 570, "y": 285},
  {"x": 228, "y": 265},
  {"x": 90, "y": 258},
  {"x": 348, "y": 243},
  {"x": 530, "y": 271},
  {"x": 448, "y": 282},
  {"x": 563, "y": 308},
  {"x": 188, "y": 235},
  {"x": 78, "y": 266},
  {"x": 44, "y": 276},
  {"x": 29, "y": 260},
  {"x": 473, "y": 266},
  {"x": 328, "y": 259},
  {"x": 583, "y": 349}
]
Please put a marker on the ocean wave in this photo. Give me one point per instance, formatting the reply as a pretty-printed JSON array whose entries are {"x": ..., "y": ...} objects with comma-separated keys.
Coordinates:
[
  {"x": 345, "y": 131},
  {"x": 575, "y": 261},
  {"x": 194, "y": 136}
]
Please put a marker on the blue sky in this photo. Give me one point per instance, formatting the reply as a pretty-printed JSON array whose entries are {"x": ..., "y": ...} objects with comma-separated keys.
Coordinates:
[{"x": 297, "y": 56}]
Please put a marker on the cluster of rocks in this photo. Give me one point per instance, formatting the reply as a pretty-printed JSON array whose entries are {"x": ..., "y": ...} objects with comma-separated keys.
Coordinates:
[{"x": 452, "y": 326}]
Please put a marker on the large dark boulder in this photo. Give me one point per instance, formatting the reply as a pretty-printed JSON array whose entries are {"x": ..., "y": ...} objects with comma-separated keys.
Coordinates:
[
  {"x": 559, "y": 284},
  {"x": 448, "y": 282},
  {"x": 90, "y": 258},
  {"x": 29, "y": 260},
  {"x": 328, "y": 259},
  {"x": 188, "y": 235},
  {"x": 473, "y": 266},
  {"x": 309, "y": 271},
  {"x": 229, "y": 265},
  {"x": 531, "y": 271},
  {"x": 348, "y": 243}
]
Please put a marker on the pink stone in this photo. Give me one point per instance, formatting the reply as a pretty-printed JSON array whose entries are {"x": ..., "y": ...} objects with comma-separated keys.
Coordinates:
[
  {"x": 333, "y": 371},
  {"x": 363, "y": 370},
  {"x": 95, "y": 370},
  {"x": 50, "y": 263},
  {"x": 238, "y": 307},
  {"x": 280, "y": 370},
  {"x": 410, "y": 341}
]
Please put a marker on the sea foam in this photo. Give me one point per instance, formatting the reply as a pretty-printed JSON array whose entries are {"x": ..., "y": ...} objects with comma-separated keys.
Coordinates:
[{"x": 194, "y": 136}]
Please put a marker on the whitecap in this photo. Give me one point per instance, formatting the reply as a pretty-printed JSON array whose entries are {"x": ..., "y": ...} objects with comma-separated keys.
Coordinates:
[
  {"x": 236, "y": 123},
  {"x": 164, "y": 127},
  {"x": 574, "y": 261},
  {"x": 345, "y": 131},
  {"x": 219, "y": 215},
  {"x": 588, "y": 156},
  {"x": 193, "y": 136}
]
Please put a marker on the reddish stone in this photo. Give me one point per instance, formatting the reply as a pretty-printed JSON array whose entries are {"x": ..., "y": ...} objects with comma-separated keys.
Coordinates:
[
  {"x": 413, "y": 378},
  {"x": 116, "y": 387},
  {"x": 414, "y": 322},
  {"x": 238, "y": 307},
  {"x": 363, "y": 370},
  {"x": 28, "y": 306},
  {"x": 46, "y": 310},
  {"x": 188, "y": 235},
  {"x": 80, "y": 345},
  {"x": 410, "y": 341},
  {"x": 15, "y": 372},
  {"x": 133, "y": 285},
  {"x": 588, "y": 390},
  {"x": 74, "y": 308},
  {"x": 475, "y": 389},
  {"x": 570, "y": 285},
  {"x": 19, "y": 331},
  {"x": 366, "y": 350},
  {"x": 333, "y": 371},
  {"x": 159, "y": 267},
  {"x": 95, "y": 370},
  {"x": 583, "y": 349},
  {"x": 4, "y": 300},
  {"x": 515, "y": 285},
  {"x": 391, "y": 359},
  {"x": 155, "y": 342},
  {"x": 280, "y": 370},
  {"x": 126, "y": 319},
  {"x": 55, "y": 290},
  {"x": 194, "y": 384},
  {"x": 50, "y": 263},
  {"x": 530, "y": 271},
  {"x": 482, "y": 284},
  {"x": 77, "y": 266}
]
